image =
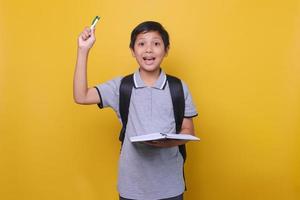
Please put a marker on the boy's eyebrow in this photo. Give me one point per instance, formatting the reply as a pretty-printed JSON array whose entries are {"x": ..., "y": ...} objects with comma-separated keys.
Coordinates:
[{"x": 155, "y": 38}]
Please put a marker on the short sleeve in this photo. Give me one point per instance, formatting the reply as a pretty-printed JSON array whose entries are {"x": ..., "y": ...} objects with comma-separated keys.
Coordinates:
[
  {"x": 190, "y": 109},
  {"x": 109, "y": 94}
]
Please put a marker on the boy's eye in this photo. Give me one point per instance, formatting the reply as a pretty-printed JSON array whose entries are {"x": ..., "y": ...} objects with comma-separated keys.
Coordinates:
[
  {"x": 157, "y": 43},
  {"x": 141, "y": 43}
]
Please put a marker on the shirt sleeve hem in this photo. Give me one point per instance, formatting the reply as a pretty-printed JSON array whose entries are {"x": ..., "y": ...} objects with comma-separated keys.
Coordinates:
[
  {"x": 100, "y": 105},
  {"x": 191, "y": 116}
]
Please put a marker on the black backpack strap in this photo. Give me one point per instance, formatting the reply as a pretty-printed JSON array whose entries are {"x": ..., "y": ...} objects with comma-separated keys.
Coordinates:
[
  {"x": 178, "y": 101},
  {"x": 124, "y": 102}
]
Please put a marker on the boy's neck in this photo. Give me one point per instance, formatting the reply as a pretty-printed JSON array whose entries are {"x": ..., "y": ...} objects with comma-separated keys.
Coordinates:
[{"x": 149, "y": 78}]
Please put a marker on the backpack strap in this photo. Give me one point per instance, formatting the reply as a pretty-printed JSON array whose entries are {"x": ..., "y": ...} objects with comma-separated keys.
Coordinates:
[
  {"x": 178, "y": 101},
  {"x": 124, "y": 102}
]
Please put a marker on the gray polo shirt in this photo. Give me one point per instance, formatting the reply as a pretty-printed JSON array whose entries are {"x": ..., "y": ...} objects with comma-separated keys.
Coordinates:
[{"x": 147, "y": 172}]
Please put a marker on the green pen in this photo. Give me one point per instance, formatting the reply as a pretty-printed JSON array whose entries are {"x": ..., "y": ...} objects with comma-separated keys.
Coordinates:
[{"x": 95, "y": 21}]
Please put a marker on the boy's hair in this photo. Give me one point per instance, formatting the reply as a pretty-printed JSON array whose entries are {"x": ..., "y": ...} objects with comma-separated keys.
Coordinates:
[{"x": 148, "y": 26}]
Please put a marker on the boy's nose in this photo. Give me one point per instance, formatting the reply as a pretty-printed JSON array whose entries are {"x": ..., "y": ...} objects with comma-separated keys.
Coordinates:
[{"x": 148, "y": 48}]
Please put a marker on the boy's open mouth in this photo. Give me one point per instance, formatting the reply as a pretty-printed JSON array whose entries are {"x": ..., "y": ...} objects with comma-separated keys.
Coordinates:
[{"x": 148, "y": 58}]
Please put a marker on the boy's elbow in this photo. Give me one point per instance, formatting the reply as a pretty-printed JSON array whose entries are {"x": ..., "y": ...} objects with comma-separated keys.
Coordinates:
[
  {"x": 78, "y": 100},
  {"x": 86, "y": 99}
]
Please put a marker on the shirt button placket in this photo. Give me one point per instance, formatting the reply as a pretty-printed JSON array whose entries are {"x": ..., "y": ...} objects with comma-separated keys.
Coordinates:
[{"x": 151, "y": 107}]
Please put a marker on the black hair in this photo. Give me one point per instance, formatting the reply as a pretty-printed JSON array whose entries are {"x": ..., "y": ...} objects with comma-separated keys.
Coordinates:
[{"x": 148, "y": 26}]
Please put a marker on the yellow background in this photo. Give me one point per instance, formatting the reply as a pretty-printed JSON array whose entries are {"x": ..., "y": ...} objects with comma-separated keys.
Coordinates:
[{"x": 239, "y": 58}]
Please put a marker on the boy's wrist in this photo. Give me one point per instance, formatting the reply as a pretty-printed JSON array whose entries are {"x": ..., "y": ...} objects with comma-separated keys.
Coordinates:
[{"x": 82, "y": 50}]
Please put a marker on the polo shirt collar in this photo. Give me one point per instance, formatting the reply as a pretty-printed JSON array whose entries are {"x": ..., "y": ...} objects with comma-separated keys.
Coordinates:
[{"x": 159, "y": 84}]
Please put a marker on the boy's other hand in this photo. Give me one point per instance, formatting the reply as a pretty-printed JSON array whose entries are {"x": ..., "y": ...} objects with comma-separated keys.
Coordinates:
[
  {"x": 165, "y": 143},
  {"x": 86, "y": 38}
]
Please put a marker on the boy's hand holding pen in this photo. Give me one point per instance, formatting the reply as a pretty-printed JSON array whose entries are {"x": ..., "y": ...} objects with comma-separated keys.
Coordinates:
[{"x": 87, "y": 38}]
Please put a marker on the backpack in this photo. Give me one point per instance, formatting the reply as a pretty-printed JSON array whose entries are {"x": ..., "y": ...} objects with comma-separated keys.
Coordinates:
[{"x": 177, "y": 95}]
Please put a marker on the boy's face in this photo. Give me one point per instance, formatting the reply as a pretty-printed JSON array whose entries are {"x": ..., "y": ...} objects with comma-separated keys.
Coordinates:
[{"x": 149, "y": 51}]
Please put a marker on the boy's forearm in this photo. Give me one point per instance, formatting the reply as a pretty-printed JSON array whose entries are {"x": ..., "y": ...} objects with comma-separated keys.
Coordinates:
[
  {"x": 172, "y": 143},
  {"x": 80, "y": 85},
  {"x": 166, "y": 143}
]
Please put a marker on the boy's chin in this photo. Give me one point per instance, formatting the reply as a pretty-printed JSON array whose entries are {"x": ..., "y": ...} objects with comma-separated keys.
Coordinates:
[{"x": 150, "y": 68}]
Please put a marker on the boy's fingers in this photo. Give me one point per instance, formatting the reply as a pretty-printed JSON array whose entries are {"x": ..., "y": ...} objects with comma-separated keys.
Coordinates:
[
  {"x": 93, "y": 32},
  {"x": 81, "y": 36},
  {"x": 157, "y": 143},
  {"x": 84, "y": 36},
  {"x": 87, "y": 33},
  {"x": 87, "y": 29}
]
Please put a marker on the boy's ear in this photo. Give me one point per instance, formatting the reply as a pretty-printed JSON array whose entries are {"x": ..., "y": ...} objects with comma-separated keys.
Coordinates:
[
  {"x": 132, "y": 52},
  {"x": 167, "y": 51}
]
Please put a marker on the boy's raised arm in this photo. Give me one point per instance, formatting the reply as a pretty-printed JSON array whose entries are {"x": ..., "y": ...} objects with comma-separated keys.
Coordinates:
[{"x": 81, "y": 93}]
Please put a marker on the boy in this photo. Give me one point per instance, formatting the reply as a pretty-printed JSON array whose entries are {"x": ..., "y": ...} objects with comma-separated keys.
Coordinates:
[{"x": 150, "y": 170}]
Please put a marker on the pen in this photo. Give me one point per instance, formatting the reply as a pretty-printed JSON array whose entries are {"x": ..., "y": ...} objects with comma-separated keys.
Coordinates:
[{"x": 95, "y": 21}]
